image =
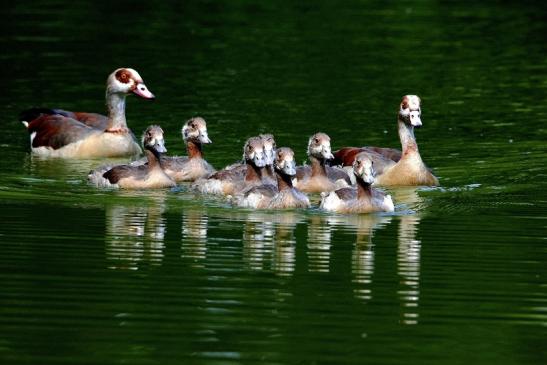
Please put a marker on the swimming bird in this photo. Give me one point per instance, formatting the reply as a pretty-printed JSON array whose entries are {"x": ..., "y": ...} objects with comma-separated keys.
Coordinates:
[
  {"x": 230, "y": 181},
  {"x": 319, "y": 176},
  {"x": 280, "y": 196},
  {"x": 61, "y": 133},
  {"x": 193, "y": 166},
  {"x": 239, "y": 169},
  {"x": 146, "y": 176},
  {"x": 364, "y": 198},
  {"x": 392, "y": 169}
]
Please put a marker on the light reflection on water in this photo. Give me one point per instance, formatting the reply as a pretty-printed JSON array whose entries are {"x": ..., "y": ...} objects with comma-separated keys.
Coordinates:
[
  {"x": 408, "y": 268},
  {"x": 148, "y": 277},
  {"x": 135, "y": 234},
  {"x": 319, "y": 244},
  {"x": 269, "y": 241},
  {"x": 362, "y": 257},
  {"x": 194, "y": 237}
]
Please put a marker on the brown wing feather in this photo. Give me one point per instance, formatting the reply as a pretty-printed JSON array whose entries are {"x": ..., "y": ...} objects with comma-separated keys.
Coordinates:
[
  {"x": 93, "y": 120},
  {"x": 57, "y": 131},
  {"x": 236, "y": 173},
  {"x": 302, "y": 172},
  {"x": 122, "y": 171},
  {"x": 345, "y": 156},
  {"x": 336, "y": 173},
  {"x": 390, "y": 153},
  {"x": 266, "y": 190},
  {"x": 347, "y": 193}
]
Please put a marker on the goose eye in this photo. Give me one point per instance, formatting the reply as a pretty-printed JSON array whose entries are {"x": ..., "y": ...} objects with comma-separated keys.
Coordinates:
[{"x": 316, "y": 140}]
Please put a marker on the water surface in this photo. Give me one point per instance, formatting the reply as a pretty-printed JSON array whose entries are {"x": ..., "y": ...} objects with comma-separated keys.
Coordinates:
[{"x": 457, "y": 274}]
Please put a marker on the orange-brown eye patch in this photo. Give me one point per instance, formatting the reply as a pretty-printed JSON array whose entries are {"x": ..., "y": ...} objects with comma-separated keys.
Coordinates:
[
  {"x": 404, "y": 103},
  {"x": 123, "y": 76}
]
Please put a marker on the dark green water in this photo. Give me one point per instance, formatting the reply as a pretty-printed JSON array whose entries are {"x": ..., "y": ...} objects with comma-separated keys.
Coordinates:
[{"x": 457, "y": 275}]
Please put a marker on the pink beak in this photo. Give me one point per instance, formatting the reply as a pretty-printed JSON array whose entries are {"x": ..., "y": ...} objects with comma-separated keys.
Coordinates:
[{"x": 142, "y": 91}]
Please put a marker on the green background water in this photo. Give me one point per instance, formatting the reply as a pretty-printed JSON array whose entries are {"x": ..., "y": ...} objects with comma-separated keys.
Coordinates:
[{"x": 456, "y": 275}]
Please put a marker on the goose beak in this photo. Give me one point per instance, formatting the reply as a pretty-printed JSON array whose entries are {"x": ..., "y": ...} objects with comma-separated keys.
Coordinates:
[
  {"x": 159, "y": 146},
  {"x": 327, "y": 154},
  {"x": 259, "y": 159},
  {"x": 364, "y": 170},
  {"x": 204, "y": 137},
  {"x": 368, "y": 176},
  {"x": 270, "y": 157},
  {"x": 415, "y": 119},
  {"x": 289, "y": 168},
  {"x": 142, "y": 91}
]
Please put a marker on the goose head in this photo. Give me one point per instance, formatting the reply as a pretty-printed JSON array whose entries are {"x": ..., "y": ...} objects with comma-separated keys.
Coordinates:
[
  {"x": 268, "y": 142},
  {"x": 363, "y": 168},
  {"x": 319, "y": 146},
  {"x": 195, "y": 129},
  {"x": 126, "y": 81},
  {"x": 410, "y": 111},
  {"x": 253, "y": 152},
  {"x": 152, "y": 139},
  {"x": 284, "y": 161}
]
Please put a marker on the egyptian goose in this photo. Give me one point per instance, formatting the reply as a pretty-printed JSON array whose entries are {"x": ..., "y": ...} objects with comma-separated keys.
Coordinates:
[
  {"x": 282, "y": 196},
  {"x": 319, "y": 176},
  {"x": 147, "y": 176},
  {"x": 193, "y": 166},
  {"x": 364, "y": 198},
  {"x": 268, "y": 176},
  {"x": 230, "y": 181},
  {"x": 60, "y": 133},
  {"x": 408, "y": 169}
]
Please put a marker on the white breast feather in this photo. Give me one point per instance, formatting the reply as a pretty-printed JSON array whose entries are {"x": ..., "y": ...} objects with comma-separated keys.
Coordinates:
[
  {"x": 330, "y": 202},
  {"x": 388, "y": 204}
]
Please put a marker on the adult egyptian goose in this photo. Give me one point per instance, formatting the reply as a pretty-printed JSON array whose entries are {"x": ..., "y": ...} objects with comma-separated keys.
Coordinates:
[
  {"x": 392, "y": 168},
  {"x": 60, "y": 133},
  {"x": 319, "y": 176},
  {"x": 364, "y": 198},
  {"x": 280, "y": 196},
  {"x": 229, "y": 182},
  {"x": 147, "y": 176}
]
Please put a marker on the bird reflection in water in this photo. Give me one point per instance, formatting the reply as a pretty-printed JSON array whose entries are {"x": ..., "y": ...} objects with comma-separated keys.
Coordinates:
[
  {"x": 135, "y": 233},
  {"x": 269, "y": 241},
  {"x": 362, "y": 255},
  {"x": 257, "y": 240},
  {"x": 408, "y": 268},
  {"x": 194, "y": 236},
  {"x": 319, "y": 244},
  {"x": 408, "y": 254},
  {"x": 284, "y": 256}
]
